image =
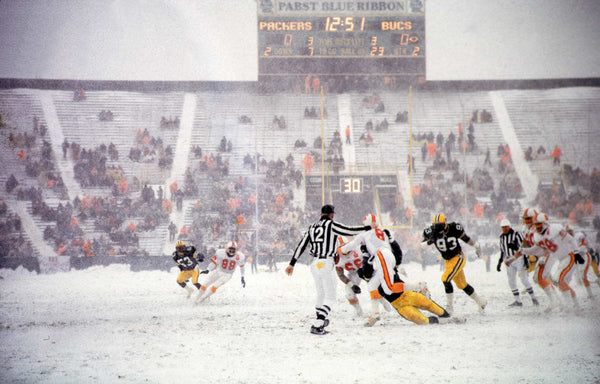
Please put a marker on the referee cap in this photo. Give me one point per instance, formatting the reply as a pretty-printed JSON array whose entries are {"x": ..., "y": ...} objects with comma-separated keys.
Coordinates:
[
  {"x": 505, "y": 223},
  {"x": 327, "y": 209}
]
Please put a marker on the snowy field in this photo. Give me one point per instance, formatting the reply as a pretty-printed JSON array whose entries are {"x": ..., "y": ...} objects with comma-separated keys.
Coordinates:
[{"x": 111, "y": 325}]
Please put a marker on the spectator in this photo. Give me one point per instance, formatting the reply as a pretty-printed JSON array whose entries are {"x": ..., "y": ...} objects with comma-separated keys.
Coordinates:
[
  {"x": 556, "y": 153},
  {"x": 308, "y": 163}
]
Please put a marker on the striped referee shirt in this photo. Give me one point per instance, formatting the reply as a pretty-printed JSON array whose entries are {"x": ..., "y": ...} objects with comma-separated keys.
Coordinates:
[
  {"x": 322, "y": 237},
  {"x": 510, "y": 243}
]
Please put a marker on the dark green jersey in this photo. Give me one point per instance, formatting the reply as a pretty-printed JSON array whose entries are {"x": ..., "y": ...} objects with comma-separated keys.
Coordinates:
[
  {"x": 446, "y": 241},
  {"x": 188, "y": 259}
]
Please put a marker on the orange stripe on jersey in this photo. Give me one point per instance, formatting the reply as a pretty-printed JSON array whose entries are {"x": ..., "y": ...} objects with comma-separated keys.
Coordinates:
[
  {"x": 394, "y": 287},
  {"x": 567, "y": 268},
  {"x": 541, "y": 281}
]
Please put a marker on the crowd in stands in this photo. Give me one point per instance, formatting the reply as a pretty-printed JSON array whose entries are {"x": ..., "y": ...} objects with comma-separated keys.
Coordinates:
[
  {"x": 148, "y": 149},
  {"x": 12, "y": 241},
  {"x": 170, "y": 122},
  {"x": 262, "y": 202}
]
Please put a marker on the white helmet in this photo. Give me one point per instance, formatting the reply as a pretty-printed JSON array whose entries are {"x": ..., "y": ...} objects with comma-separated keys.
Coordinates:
[
  {"x": 528, "y": 216},
  {"x": 231, "y": 247},
  {"x": 370, "y": 219},
  {"x": 540, "y": 222}
]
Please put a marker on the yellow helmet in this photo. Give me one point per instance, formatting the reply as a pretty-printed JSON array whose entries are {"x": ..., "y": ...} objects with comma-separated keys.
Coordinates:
[
  {"x": 439, "y": 223},
  {"x": 180, "y": 246}
]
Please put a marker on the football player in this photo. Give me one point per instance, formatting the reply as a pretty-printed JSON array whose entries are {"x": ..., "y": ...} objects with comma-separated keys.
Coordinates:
[
  {"x": 346, "y": 266},
  {"x": 407, "y": 298},
  {"x": 221, "y": 268},
  {"x": 445, "y": 237},
  {"x": 553, "y": 245},
  {"x": 187, "y": 260},
  {"x": 583, "y": 251},
  {"x": 367, "y": 243}
]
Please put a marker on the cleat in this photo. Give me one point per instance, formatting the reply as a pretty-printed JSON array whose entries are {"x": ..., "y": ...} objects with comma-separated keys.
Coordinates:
[
  {"x": 318, "y": 330},
  {"x": 481, "y": 302},
  {"x": 535, "y": 302},
  {"x": 325, "y": 323},
  {"x": 371, "y": 321},
  {"x": 516, "y": 304},
  {"x": 189, "y": 290}
]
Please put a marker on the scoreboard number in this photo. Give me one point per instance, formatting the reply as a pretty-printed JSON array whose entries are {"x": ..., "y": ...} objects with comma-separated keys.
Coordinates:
[{"x": 351, "y": 185}]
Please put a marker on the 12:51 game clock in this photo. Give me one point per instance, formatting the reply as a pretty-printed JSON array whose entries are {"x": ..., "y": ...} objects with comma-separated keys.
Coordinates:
[{"x": 342, "y": 38}]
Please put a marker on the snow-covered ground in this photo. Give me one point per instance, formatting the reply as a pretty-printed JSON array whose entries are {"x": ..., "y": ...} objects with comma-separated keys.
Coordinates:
[{"x": 111, "y": 325}]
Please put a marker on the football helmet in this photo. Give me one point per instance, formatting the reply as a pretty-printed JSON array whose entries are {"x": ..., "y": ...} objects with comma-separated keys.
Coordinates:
[
  {"x": 180, "y": 246},
  {"x": 528, "y": 216},
  {"x": 342, "y": 240},
  {"x": 540, "y": 222},
  {"x": 231, "y": 248},
  {"x": 439, "y": 223},
  {"x": 370, "y": 219}
]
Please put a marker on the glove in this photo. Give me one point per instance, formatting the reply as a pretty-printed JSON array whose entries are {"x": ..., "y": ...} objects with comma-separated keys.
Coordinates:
[
  {"x": 203, "y": 272},
  {"x": 180, "y": 267},
  {"x": 243, "y": 282},
  {"x": 355, "y": 288},
  {"x": 499, "y": 266}
]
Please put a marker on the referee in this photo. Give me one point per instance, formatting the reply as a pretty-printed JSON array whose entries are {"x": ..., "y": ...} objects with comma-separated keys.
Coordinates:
[
  {"x": 322, "y": 237},
  {"x": 510, "y": 242}
]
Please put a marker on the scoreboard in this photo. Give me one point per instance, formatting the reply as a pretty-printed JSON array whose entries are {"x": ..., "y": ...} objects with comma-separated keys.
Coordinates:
[
  {"x": 341, "y": 37},
  {"x": 353, "y": 195},
  {"x": 350, "y": 184}
]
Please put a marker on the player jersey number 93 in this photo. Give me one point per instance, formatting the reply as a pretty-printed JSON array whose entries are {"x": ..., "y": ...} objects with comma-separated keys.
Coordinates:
[
  {"x": 186, "y": 261},
  {"x": 445, "y": 244}
]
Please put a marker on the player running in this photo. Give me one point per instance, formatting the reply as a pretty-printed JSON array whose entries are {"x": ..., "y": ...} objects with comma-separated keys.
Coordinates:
[
  {"x": 187, "y": 260},
  {"x": 445, "y": 237},
  {"x": 553, "y": 245},
  {"x": 221, "y": 269}
]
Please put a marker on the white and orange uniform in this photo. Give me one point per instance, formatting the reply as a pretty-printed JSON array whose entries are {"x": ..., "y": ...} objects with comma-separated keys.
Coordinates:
[
  {"x": 582, "y": 249},
  {"x": 221, "y": 268},
  {"x": 350, "y": 262},
  {"x": 377, "y": 242},
  {"x": 347, "y": 265},
  {"x": 555, "y": 246}
]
